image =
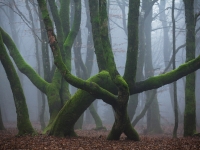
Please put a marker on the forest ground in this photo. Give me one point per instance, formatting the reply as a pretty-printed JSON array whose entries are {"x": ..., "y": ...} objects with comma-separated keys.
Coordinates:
[{"x": 89, "y": 139}]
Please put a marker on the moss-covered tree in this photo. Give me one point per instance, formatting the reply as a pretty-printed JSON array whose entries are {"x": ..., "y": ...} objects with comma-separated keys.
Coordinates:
[
  {"x": 153, "y": 113},
  {"x": 23, "y": 123},
  {"x": 190, "y": 101},
  {"x": 64, "y": 122},
  {"x": 107, "y": 85}
]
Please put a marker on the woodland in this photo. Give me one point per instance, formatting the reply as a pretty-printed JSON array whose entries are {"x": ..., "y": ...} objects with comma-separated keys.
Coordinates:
[{"x": 68, "y": 52}]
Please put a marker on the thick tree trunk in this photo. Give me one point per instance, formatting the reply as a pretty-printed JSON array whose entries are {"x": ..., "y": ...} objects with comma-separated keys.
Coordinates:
[
  {"x": 122, "y": 123},
  {"x": 132, "y": 105},
  {"x": 72, "y": 110},
  {"x": 64, "y": 122},
  {"x": 190, "y": 101}
]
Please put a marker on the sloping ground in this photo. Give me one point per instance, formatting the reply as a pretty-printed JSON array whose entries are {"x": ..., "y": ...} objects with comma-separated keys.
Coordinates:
[{"x": 95, "y": 140}]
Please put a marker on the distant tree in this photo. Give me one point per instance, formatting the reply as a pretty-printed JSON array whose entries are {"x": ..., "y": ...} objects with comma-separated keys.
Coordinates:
[
  {"x": 23, "y": 123},
  {"x": 1, "y": 121}
]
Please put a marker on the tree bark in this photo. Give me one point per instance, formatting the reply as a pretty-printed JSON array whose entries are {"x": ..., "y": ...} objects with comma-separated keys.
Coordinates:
[
  {"x": 64, "y": 122},
  {"x": 23, "y": 123},
  {"x": 190, "y": 101}
]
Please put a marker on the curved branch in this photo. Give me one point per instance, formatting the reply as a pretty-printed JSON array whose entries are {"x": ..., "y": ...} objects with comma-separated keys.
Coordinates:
[
  {"x": 23, "y": 123},
  {"x": 40, "y": 83},
  {"x": 169, "y": 77}
]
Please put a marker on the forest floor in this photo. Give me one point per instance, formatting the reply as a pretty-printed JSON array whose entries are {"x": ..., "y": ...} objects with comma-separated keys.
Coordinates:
[{"x": 96, "y": 140}]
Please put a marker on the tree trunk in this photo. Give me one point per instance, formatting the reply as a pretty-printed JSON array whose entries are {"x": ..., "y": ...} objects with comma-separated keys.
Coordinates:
[
  {"x": 153, "y": 113},
  {"x": 23, "y": 123},
  {"x": 133, "y": 100},
  {"x": 190, "y": 103},
  {"x": 122, "y": 123},
  {"x": 63, "y": 125},
  {"x": 64, "y": 122},
  {"x": 89, "y": 64},
  {"x": 1, "y": 121}
]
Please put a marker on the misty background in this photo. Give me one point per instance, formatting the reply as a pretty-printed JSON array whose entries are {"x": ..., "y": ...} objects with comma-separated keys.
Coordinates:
[{"x": 20, "y": 29}]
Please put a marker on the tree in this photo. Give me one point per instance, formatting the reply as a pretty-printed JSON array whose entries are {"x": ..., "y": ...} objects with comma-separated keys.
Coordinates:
[
  {"x": 174, "y": 66},
  {"x": 23, "y": 122},
  {"x": 153, "y": 113},
  {"x": 190, "y": 101},
  {"x": 107, "y": 85},
  {"x": 1, "y": 121}
]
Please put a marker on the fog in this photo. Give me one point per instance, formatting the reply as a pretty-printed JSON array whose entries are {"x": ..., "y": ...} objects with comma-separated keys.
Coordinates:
[{"x": 20, "y": 30}]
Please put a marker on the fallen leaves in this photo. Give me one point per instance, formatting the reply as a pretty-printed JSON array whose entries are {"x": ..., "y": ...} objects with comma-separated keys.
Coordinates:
[{"x": 95, "y": 140}]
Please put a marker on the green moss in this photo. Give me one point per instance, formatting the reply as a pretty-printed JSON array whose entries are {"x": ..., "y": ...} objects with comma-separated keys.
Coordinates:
[
  {"x": 120, "y": 82},
  {"x": 132, "y": 50},
  {"x": 130, "y": 132},
  {"x": 53, "y": 101},
  {"x": 64, "y": 122},
  {"x": 190, "y": 106},
  {"x": 95, "y": 22},
  {"x": 40, "y": 83},
  {"x": 71, "y": 111},
  {"x": 64, "y": 15},
  {"x": 75, "y": 27},
  {"x": 23, "y": 123},
  {"x": 45, "y": 15}
]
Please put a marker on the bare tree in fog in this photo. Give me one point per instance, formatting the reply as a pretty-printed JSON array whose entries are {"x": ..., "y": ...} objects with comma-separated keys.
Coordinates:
[{"x": 174, "y": 67}]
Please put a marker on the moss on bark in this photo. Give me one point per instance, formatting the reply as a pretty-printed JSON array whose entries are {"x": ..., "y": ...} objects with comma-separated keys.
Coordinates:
[
  {"x": 169, "y": 77},
  {"x": 23, "y": 123},
  {"x": 190, "y": 101},
  {"x": 63, "y": 125},
  {"x": 94, "y": 18},
  {"x": 64, "y": 122},
  {"x": 21, "y": 64},
  {"x": 50, "y": 89},
  {"x": 132, "y": 51}
]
